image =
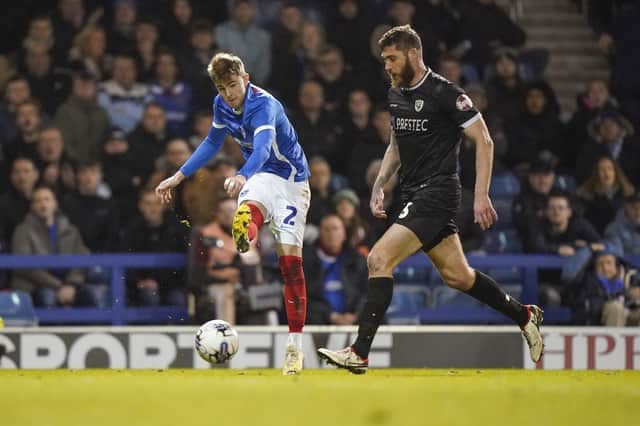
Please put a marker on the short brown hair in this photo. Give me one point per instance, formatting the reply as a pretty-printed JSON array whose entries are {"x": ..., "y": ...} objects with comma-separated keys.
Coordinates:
[
  {"x": 223, "y": 66},
  {"x": 403, "y": 36}
]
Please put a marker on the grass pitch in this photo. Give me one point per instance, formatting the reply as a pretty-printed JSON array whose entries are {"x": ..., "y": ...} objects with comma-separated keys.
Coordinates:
[{"x": 318, "y": 397}]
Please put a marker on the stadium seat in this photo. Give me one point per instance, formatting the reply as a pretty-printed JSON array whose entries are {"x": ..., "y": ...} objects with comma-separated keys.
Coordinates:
[
  {"x": 507, "y": 274},
  {"x": 504, "y": 185},
  {"x": 498, "y": 241},
  {"x": 406, "y": 304},
  {"x": 503, "y": 208},
  {"x": 16, "y": 309},
  {"x": 411, "y": 274}
]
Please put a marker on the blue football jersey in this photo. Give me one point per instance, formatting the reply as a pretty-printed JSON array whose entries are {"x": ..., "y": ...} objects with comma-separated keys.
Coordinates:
[{"x": 264, "y": 112}]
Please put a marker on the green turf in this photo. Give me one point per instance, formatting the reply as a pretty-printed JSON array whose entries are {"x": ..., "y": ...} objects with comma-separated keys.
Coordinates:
[{"x": 319, "y": 397}]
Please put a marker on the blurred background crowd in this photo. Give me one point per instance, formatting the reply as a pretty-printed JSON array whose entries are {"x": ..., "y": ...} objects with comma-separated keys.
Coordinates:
[{"x": 101, "y": 100}]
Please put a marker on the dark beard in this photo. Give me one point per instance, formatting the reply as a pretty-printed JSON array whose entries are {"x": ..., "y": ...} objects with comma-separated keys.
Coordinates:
[{"x": 407, "y": 74}]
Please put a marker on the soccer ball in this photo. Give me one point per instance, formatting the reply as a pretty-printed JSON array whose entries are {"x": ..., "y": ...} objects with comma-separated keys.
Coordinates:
[{"x": 216, "y": 341}]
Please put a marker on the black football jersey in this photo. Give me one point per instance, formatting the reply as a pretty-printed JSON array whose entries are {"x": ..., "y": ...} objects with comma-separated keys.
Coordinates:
[{"x": 428, "y": 120}]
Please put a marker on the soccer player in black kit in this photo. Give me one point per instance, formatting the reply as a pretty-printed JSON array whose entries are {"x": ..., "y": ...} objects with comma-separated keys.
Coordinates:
[{"x": 429, "y": 116}]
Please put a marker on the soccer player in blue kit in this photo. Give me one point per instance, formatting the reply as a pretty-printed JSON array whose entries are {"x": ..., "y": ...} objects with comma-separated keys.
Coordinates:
[{"x": 272, "y": 186}]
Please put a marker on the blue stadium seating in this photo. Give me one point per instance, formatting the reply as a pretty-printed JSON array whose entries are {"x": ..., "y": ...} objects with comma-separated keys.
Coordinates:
[
  {"x": 498, "y": 241},
  {"x": 503, "y": 208},
  {"x": 504, "y": 185},
  {"x": 16, "y": 309},
  {"x": 407, "y": 302}
]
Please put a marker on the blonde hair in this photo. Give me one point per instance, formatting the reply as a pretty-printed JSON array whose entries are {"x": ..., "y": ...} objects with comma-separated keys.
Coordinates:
[
  {"x": 223, "y": 66},
  {"x": 593, "y": 186}
]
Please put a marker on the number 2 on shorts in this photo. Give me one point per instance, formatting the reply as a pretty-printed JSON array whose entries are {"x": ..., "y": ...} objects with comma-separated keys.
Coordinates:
[{"x": 289, "y": 219}]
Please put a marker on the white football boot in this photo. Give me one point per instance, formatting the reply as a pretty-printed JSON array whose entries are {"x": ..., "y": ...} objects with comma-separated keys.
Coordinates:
[
  {"x": 293, "y": 360},
  {"x": 345, "y": 358},
  {"x": 531, "y": 332}
]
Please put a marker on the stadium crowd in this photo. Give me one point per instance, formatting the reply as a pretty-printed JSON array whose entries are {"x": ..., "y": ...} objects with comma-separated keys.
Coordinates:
[{"x": 104, "y": 99}]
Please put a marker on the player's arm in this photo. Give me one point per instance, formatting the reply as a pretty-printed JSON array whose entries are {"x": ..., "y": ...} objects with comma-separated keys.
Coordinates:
[
  {"x": 207, "y": 149},
  {"x": 484, "y": 213},
  {"x": 389, "y": 167},
  {"x": 263, "y": 137}
]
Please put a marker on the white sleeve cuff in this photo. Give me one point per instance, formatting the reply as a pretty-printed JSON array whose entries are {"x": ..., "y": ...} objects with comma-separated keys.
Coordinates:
[
  {"x": 470, "y": 121},
  {"x": 261, "y": 128}
]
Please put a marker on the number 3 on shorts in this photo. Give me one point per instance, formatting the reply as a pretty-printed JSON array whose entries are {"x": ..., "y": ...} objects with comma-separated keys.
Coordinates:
[
  {"x": 289, "y": 219},
  {"x": 405, "y": 211}
]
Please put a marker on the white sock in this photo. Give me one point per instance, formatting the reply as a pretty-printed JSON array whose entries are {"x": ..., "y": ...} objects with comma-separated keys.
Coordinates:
[{"x": 295, "y": 339}]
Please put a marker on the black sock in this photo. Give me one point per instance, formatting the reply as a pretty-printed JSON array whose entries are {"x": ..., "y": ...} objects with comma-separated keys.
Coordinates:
[
  {"x": 486, "y": 290},
  {"x": 378, "y": 300}
]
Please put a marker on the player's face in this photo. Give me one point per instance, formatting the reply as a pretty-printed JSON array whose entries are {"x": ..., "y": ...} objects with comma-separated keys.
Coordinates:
[
  {"x": 233, "y": 90},
  {"x": 397, "y": 66}
]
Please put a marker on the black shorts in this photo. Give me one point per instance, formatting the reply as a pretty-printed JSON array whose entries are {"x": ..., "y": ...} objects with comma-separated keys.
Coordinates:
[{"x": 430, "y": 211}]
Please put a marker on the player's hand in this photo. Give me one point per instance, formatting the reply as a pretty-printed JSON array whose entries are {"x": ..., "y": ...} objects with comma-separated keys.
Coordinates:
[
  {"x": 483, "y": 212},
  {"x": 163, "y": 190},
  {"x": 233, "y": 185},
  {"x": 377, "y": 202}
]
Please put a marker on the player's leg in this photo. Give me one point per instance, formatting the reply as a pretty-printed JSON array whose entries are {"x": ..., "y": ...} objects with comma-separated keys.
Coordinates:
[
  {"x": 448, "y": 257},
  {"x": 288, "y": 223},
  {"x": 398, "y": 243}
]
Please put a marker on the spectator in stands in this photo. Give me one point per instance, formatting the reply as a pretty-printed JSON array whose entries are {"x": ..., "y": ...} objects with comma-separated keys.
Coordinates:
[
  {"x": 176, "y": 154},
  {"x": 285, "y": 40},
  {"x": 48, "y": 84},
  {"x": 319, "y": 131},
  {"x": 450, "y": 68},
  {"x": 56, "y": 169},
  {"x": 443, "y": 19},
  {"x": 16, "y": 92},
  {"x": 201, "y": 125},
  {"x": 603, "y": 192},
  {"x": 243, "y": 37},
  {"x": 203, "y": 192},
  {"x": 90, "y": 52},
  {"x": 28, "y": 120},
  {"x": 84, "y": 124},
  {"x": 313, "y": 39},
  {"x": 40, "y": 33},
  {"x": 561, "y": 232},
  {"x": 612, "y": 134},
  {"x": 321, "y": 192},
  {"x": 495, "y": 124},
  {"x": 173, "y": 95},
  {"x": 505, "y": 89},
  {"x": 149, "y": 140},
  {"x": 529, "y": 206},
  {"x": 535, "y": 128},
  {"x": 95, "y": 216},
  {"x": 346, "y": 204},
  {"x": 69, "y": 20},
  {"x": 175, "y": 32},
  {"x": 601, "y": 294},
  {"x": 588, "y": 106},
  {"x": 15, "y": 203},
  {"x": 146, "y": 45},
  {"x": 155, "y": 231},
  {"x": 121, "y": 174},
  {"x": 621, "y": 43},
  {"x": 122, "y": 31},
  {"x": 336, "y": 276},
  {"x": 351, "y": 23},
  {"x": 194, "y": 63},
  {"x": 46, "y": 231},
  {"x": 402, "y": 12},
  {"x": 221, "y": 265},
  {"x": 624, "y": 232},
  {"x": 122, "y": 97},
  {"x": 485, "y": 26},
  {"x": 366, "y": 135},
  {"x": 336, "y": 80}
]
